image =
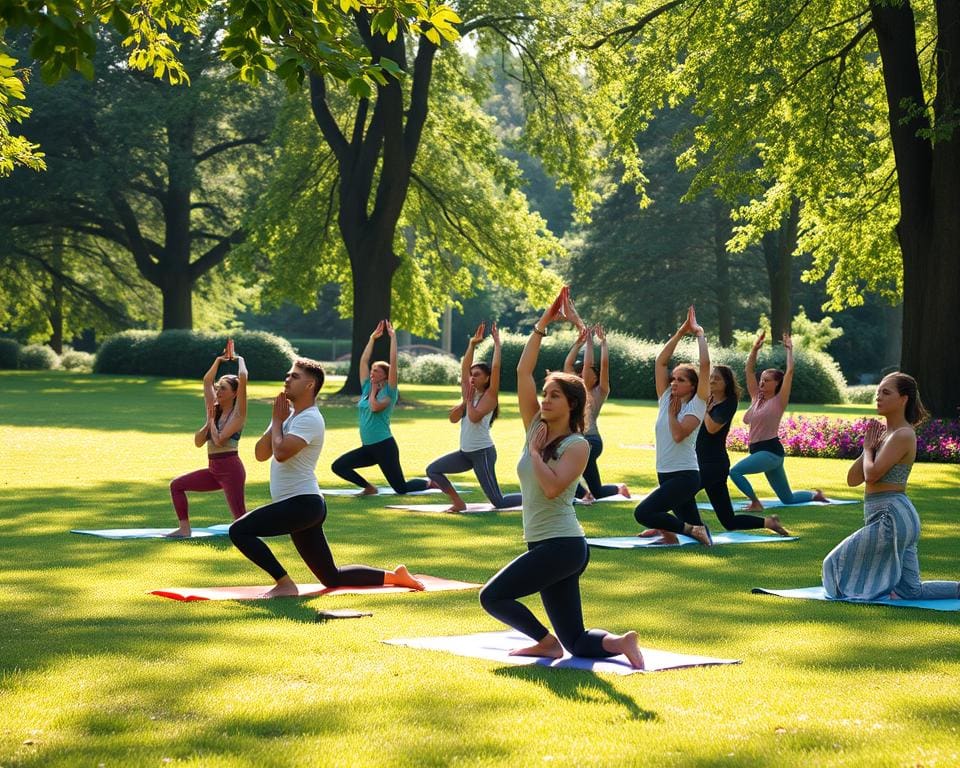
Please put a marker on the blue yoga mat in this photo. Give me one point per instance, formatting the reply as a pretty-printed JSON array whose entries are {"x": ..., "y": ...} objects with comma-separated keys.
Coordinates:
[
  {"x": 776, "y": 503},
  {"x": 725, "y": 537},
  {"x": 817, "y": 593},
  {"x": 154, "y": 533}
]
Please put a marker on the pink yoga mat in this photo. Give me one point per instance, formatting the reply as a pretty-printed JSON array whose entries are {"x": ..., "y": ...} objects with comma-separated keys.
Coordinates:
[{"x": 189, "y": 594}]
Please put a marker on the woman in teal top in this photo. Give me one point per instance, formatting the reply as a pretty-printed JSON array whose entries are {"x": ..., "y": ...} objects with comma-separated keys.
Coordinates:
[
  {"x": 378, "y": 395},
  {"x": 553, "y": 459}
]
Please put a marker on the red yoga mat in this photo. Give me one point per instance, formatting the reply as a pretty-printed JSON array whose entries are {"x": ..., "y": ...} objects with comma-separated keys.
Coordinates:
[{"x": 190, "y": 594}]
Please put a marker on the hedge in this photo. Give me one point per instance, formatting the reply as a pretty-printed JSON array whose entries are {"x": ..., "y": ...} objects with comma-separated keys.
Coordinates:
[
  {"x": 321, "y": 349},
  {"x": 188, "y": 354},
  {"x": 9, "y": 354},
  {"x": 817, "y": 378},
  {"x": 37, "y": 357}
]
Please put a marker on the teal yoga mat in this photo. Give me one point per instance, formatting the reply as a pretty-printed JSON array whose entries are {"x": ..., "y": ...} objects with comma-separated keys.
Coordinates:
[
  {"x": 776, "y": 504},
  {"x": 154, "y": 533},
  {"x": 725, "y": 537},
  {"x": 817, "y": 593}
]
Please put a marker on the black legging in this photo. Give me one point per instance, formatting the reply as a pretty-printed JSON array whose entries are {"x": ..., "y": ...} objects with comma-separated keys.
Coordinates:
[
  {"x": 713, "y": 480},
  {"x": 384, "y": 454},
  {"x": 551, "y": 567},
  {"x": 302, "y": 517},
  {"x": 677, "y": 491},
  {"x": 591, "y": 474}
]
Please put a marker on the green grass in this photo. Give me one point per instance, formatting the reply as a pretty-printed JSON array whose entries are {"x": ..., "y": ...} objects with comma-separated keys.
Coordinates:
[{"x": 93, "y": 671}]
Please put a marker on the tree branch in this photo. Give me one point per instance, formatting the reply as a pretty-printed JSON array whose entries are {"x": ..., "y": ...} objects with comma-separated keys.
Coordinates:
[
  {"x": 216, "y": 254},
  {"x": 325, "y": 120},
  {"x": 631, "y": 30},
  {"x": 216, "y": 149}
]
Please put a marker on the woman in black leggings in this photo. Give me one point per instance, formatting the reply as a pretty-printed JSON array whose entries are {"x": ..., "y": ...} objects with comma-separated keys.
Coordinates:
[
  {"x": 712, "y": 454},
  {"x": 378, "y": 395}
]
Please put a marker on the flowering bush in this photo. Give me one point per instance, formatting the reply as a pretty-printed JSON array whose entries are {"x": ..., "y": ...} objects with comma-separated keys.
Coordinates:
[{"x": 937, "y": 439}]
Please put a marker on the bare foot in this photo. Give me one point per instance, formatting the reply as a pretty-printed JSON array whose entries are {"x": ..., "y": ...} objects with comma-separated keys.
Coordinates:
[
  {"x": 753, "y": 506},
  {"x": 650, "y": 533},
  {"x": 818, "y": 495},
  {"x": 285, "y": 587},
  {"x": 627, "y": 645},
  {"x": 183, "y": 532},
  {"x": 623, "y": 490},
  {"x": 458, "y": 504},
  {"x": 401, "y": 577},
  {"x": 368, "y": 491},
  {"x": 549, "y": 648},
  {"x": 773, "y": 523},
  {"x": 702, "y": 534},
  {"x": 667, "y": 538}
]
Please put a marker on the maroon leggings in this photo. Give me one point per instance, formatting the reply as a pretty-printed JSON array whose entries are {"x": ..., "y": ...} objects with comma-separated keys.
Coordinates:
[{"x": 225, "y": 470}]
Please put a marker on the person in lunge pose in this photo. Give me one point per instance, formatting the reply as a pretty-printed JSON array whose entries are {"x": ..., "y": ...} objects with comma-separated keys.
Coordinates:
[
  {"x": 292, "y": 443},
  {"x": 378, "y": 395},
  {"x": 479, "y": 406},
  {"x": 712, "y": 454},
  {"x": 683, "y": 403},
  {"x": 597, "y": 382},
  {"x": 769, "y": 400},
  {"x": 226, "y": 404},
  {"x": 880, "y": 560},
  {"x": 554, "y": 457}
]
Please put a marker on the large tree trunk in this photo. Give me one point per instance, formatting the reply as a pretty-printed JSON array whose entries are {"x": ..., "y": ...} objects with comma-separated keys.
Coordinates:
[
  {"x": 778, "y": 248},
  {"x": 56, "y": 297},
  {"x": 928, "y": 177},
  {"x": 721, "y": 234}
]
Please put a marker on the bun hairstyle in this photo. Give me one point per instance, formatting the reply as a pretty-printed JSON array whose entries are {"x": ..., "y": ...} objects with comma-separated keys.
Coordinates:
[
  {"x": 914, "y": 411},
  {"x": 731, "y": 389},
  {"x": 576, "y": 394},
  {"x": 778, "y": 375}
]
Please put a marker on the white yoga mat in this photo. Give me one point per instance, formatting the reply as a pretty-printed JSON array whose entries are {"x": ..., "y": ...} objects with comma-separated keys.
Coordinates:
[
  {"x": 155, "y": 533},
  {"x": 383, "y": 490},
  {"x": 472, "y": 509},
  {"x": 496, "y": 646},
  {"x": 724, "y": 537}
]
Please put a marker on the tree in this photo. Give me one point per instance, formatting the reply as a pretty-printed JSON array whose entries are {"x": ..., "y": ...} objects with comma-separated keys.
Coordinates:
[
  {"x": 160, "y": 174},
  {"x": 850, "y": 107}
]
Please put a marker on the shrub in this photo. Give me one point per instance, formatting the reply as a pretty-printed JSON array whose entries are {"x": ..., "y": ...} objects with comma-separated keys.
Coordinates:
[
  {"x": 433, "y": 369},
  {"x": 38, "y": 357},
  {"x": 817, "y": 378},
  {"x": 72, "y": 360},
  {"x": 9, "y": 354},
  {"x": 337, "y": 368},
  {"x": 188, "y": 354},
  {"x": 862, "y": 394},
  {"x": 321, "y": 349},
  {"x": 938, "y": 440}
]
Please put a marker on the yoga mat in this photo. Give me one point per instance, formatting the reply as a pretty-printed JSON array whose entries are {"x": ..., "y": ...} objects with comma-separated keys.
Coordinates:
[
  {"x": 155, "y": 533},
  {"x": 776, "y": 503},
  {"x": 723, "y": 537},
  {"x": 496, "y": 646},
  {"x": 384, "y": 490},
  {"x": 472, "y": 509},
  {"x": 817, "y": 593},
  {"x": 189, "y": 594},
  {"x": 615, "y": 497}
]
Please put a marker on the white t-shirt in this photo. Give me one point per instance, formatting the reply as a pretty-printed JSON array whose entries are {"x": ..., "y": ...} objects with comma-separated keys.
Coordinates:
[
  {"x": 475, "y": 436},
  {"x": 673, "y": 456},
  {"x": 296, "y": 476}
]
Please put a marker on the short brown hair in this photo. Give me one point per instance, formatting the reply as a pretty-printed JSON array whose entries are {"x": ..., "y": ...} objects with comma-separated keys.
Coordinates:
[{"x": 313, "y": 369}]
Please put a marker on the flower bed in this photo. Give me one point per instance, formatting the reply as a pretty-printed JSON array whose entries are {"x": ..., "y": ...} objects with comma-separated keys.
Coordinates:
[{"x": 937, "y": 439}]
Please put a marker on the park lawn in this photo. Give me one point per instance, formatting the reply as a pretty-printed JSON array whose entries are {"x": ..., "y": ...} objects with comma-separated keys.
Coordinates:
[{"x": 93, "y": 671}]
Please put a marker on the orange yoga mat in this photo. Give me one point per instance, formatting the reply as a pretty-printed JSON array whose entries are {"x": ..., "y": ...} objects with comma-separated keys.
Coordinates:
[{"x": 190, "y": 594}]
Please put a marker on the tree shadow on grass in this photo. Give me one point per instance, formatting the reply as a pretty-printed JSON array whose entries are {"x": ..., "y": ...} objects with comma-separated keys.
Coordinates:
[{"x": 577, "y": 685}]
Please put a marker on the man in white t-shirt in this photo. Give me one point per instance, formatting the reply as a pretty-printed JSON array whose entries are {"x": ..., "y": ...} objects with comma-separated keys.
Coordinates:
[{"x": 293, "y": 442}]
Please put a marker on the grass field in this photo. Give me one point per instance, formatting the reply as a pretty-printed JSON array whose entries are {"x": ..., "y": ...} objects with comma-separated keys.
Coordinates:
[{"x": 95, "y": 672}]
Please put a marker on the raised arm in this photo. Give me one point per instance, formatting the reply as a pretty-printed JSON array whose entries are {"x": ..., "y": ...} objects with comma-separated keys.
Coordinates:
[
  {"x": 788, "y": 373},
  {"x": 239, "y": 416},
  {"x": 703, "y": 380},
  {"x": 209, "y": 393},
  {"x": 571, "y": 358},
  {"x": 604, "y": 382},
  {"x": 662, "y": 367},
  {"x": 526, "y": 384},
  {"x": 368, "y": 351},
  {"x": 201, "y": 435},
  {"x": 394, "y": 376},
  {"x": 467, "y": 363},
  {"x": 750, "y": 371},
  {"x": 490, "y": 398}
]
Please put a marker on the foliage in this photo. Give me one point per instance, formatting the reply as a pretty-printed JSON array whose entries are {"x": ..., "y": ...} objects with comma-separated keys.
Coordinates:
[
  {"x": 188, "y": 354},
  {"x": 9, "y": 354},
  {"x": 433, "y": 369},
  {"x": 811, "y": 335},
  {"x": 937, "y": 440},
  {"x": 74, "y": 360},
  {"x": 321, "y": 349},
  {"x": 863, "y": 394},
  {"x": 37, "y": 357}
]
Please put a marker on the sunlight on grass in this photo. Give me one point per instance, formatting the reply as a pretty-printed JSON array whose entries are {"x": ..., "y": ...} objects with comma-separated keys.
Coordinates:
[{"x": 93, "y": 670}]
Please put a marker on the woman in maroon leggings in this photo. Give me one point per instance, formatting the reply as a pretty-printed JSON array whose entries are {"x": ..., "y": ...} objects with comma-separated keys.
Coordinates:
[{"x": 226, "y": 403}]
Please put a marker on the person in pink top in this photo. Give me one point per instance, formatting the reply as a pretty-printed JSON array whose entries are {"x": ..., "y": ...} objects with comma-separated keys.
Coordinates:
[{"x": 769, "y": 400}]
